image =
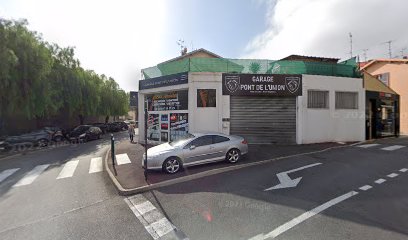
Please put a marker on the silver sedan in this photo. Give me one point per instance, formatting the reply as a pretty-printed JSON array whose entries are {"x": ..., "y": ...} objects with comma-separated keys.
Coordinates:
[{"x": 195, "y": 149}]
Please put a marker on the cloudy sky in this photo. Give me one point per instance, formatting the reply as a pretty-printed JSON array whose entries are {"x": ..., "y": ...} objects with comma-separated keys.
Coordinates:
[{"x": 118, "y": 38}]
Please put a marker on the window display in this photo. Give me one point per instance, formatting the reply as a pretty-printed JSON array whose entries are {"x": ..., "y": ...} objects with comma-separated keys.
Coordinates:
[{"x": 178, "y": 125}]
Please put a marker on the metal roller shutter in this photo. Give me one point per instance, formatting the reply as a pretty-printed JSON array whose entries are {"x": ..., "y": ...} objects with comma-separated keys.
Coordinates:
[{"x": 263, "y": 119}]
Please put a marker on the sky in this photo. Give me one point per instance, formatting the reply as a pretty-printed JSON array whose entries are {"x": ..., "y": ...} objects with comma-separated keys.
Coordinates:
[{"x": 119, "y": 38}]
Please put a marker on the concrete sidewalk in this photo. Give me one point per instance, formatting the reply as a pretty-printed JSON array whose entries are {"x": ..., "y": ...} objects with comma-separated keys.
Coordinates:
[{"x": 130, "y": 179}]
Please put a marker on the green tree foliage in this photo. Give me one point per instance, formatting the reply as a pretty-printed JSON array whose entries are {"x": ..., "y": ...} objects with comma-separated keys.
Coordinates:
[{"x": 39, "y": 79}]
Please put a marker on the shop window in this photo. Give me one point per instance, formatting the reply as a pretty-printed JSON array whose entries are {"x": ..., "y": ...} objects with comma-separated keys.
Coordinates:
[
  {"x": 346, "y": 100},
  {"x": 317, "y": 99},
  {"x": 206, "y": 98}
]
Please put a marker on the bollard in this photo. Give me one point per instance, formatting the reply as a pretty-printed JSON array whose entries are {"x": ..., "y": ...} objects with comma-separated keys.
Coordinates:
[{"x": 113, "y": 153}]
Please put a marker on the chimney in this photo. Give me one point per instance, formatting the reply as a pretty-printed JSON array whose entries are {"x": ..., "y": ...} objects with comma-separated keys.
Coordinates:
[{"x": 184, "y": 51}]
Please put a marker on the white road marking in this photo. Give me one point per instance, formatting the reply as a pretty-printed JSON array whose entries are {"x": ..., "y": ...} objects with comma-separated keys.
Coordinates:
[
  {"x": 403, "y": 170},
  {"x": 162, "y": 227},
  {"x": 303, "y": 217},
  {"x": 69, "y": 169},
  {"x": 6, "y": 173},
  {"x": 392, "y": 148},
  {"x": 379, "y": 181},
  {"x": 145, "y": 207},
  {"x": 31, "y": 176},
  {"x": 368, "y": 145},
  {"x": 96, "y": 165},
  {"x": 155, "y": 223},
  {"x": 365, "y": 187},
  {"x": 392, "y": 175},
  {"x": 122, "y": 159}
]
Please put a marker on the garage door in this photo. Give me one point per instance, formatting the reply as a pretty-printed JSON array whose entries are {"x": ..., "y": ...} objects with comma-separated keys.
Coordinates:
[{"x": 264, "y": 119}]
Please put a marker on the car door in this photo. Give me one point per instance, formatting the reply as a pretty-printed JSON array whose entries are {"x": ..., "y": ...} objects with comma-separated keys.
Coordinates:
[
  {"x": 197, "y": 150},
  {"x": 220, "y": 146}
]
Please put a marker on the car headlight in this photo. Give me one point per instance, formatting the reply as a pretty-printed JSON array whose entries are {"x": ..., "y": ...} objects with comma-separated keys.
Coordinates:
[
  {"x": 1, "y": 142},
  {"x": 82, "y": 135}
]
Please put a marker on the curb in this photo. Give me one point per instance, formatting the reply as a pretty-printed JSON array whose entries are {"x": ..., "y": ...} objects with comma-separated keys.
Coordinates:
[{"x": 126, "y": 192}]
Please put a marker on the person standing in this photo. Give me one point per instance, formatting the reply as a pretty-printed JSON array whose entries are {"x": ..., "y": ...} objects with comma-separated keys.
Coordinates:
[{"x": 131, "y": 131}]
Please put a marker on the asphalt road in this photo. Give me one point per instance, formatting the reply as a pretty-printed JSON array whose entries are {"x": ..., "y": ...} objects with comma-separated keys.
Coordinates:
[
  {"x": 64, "y": 204},
  {"x": 326, "y": 204},
  {"x": 62, "y": 194}
]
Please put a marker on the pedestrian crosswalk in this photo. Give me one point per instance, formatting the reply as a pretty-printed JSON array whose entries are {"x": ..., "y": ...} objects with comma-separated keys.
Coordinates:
[
  {"x": 69, "y": 169},
  {"x": 381, "y": 147},
  {"x": 65, "y": 171},
  {"x": 96, "y": 165},
  {"x": 31, "y": 176}
]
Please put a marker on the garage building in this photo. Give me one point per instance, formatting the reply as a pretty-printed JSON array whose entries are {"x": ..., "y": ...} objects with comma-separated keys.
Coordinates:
[{"x": 309, "y": 100}]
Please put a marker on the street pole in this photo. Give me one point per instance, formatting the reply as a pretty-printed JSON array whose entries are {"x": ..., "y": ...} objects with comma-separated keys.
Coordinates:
[{"x": 145, "y": 135}]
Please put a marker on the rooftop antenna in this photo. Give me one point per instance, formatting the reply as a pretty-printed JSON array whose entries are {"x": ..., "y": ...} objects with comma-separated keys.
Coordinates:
[
  {"x": 365, "y": 54},
  {"x": 351, "y": 44},
  {"x": 402, "y": 52},
  {"x": 389, "y": 47}
]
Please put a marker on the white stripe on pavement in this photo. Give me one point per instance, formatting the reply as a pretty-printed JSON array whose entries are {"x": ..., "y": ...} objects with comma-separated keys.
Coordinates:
[
  {"x": 365, "y": 187},
  {"x": 145, "y": 207},
  {"x": 379, "y": 181},
  {"x": 368, "y": 145},
  {"x": 96, "y": 165},
  {"x": 31, "y": 176},
  {"x": 392, "y": 175},
  {"x": 303, "y": 217},
  {"x": 392, "y": 148},
  {"x": 155, "y": 223},
  {"x": 122, "y": 159},
  {"x": 403, "y": 170},
  {"x": 6, "y": 173},
  {"x": 69, "y": 169}
]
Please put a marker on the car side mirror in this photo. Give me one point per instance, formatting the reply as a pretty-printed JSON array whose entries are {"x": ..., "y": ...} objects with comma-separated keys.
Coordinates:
[{"x": 192, "y": 147}]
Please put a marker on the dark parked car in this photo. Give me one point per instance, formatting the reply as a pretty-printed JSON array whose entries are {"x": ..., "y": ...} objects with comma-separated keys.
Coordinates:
[
  {"x": 122, "y": 125},
  {"x": 84, "y": 133},
  {"x": 39, "y": 138},
  {"x": 103, "y": 126},
  {"x": 113, "y": 127}
]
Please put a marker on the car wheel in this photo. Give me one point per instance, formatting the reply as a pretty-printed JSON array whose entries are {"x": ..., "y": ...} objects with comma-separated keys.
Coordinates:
[
  {"x": 233, "y": 155},
  {"x": 171, "y": 165},
  {"x": 42, "y": 142}
]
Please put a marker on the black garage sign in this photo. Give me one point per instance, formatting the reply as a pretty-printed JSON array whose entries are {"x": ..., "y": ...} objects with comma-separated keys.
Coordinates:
[
  {"x": 262, "y": 84},
  {"x": 164, "y": 81}
]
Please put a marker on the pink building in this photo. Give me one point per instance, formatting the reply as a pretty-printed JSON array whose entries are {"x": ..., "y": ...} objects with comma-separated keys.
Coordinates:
[{"x": 394, "y": 74}]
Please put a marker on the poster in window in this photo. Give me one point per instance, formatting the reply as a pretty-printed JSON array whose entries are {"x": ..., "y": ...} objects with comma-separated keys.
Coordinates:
[
  {"x": 164, "y": 122},
  {"x": 206, "y": 98},
  {"x": 175, "y": 100},
  {"x": 178, "y": 125},
  {"x": 153, "y": 132}
]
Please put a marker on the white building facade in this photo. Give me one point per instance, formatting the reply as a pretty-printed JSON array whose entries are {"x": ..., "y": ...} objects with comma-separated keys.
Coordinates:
[{"x": 263, "y": 108}]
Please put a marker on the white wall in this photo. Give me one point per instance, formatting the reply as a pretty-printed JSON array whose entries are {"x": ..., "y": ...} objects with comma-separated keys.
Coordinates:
[
  {"x": 330, "y": 125},
  {"x": 207, "y": 119}
]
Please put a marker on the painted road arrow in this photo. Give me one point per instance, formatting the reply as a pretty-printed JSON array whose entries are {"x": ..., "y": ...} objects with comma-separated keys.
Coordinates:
[{"x": 286, "y": 181}]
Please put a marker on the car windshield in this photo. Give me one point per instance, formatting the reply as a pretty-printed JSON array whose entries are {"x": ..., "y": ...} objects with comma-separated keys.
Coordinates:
[{"x": 181, "y": 141}]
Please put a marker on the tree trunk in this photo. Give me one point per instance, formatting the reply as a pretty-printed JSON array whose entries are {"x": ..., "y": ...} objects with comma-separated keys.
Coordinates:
[
  {"x": 81, "y": 119},
  {"x": 107, "y": 119}
]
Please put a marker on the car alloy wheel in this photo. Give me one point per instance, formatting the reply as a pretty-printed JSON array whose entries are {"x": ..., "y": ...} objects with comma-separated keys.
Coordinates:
[
  {"x": 233, "y": 155},
  {"x": 171, "y": 165}
]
